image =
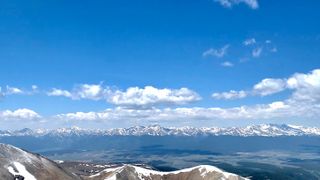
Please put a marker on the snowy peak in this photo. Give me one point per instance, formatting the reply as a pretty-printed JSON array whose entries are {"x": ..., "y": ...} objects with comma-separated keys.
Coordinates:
[
  {"x": 271, "y": 130},
  {"x": 136, "y": 172}
]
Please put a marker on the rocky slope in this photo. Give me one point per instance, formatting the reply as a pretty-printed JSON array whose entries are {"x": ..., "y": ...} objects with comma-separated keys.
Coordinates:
[{"x": 16, "y": 162}]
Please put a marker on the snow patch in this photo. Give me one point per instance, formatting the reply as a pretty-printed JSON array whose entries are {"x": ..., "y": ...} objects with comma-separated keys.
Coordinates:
[{"x": 22, "y": 171}]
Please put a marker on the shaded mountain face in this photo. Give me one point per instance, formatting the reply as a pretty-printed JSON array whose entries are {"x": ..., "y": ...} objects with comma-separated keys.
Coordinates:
[
  {"x": 15, "y": 162},
  {"x": 130, "y": 172}
]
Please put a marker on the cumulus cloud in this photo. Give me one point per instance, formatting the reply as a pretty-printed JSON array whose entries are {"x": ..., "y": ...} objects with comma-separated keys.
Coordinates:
[
  {"x": 269, "y": 86},
  {"x": 304, "y": 102},
  {"x": 151, "y": 96},
  {"x": 59, "y": 92},
  {"x": 277, "y": 109},
  {"x": 93, "y": 92},
  {"x": 230, "y": 95},
  {"x": 304, "y": 86},
  {"x": 19, "y": 114},
  {"x": 219, "y": 53},
  {"x": 83, "y": 91},
  {"x": 253, "y": 4},
  {"x": 146, "y": 97}
]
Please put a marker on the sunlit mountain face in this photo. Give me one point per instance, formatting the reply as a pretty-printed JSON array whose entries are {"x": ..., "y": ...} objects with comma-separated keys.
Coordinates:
[{"x": 149, "y": 89}]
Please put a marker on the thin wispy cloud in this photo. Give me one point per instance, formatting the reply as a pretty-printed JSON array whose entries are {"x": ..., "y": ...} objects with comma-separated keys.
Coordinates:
[
  {"x": 249, "y": 42},
  {"x": 13, "y": 90},
  {"x": 253, "y": 4},
  {"x": 274, "y": 49},
  {"x": 250, "y": 48},
  {"x": 256, "y": 52},
  {"x": 219, "y": 53},
  {"x": 268, "y": 41},
  {"x": 227, "y": 64}
]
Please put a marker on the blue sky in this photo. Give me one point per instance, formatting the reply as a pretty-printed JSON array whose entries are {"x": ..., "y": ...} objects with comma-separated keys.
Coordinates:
[{"x": 108, "y": 59}]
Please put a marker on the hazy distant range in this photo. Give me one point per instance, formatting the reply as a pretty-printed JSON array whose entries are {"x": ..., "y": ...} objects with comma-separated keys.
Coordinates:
[{"x": 261, "y": 151}]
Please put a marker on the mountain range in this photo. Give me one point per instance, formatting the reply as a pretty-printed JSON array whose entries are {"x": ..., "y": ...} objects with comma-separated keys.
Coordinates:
[{"x": 266, "y": 130}]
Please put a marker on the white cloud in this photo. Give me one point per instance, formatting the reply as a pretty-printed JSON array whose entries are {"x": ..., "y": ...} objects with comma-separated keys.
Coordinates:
[
  {"x": 34, "y": 88},
  {"x": 227, "y": 64},
  {"x": 253, "y": 4},
  {"x": 249, "y": 42},
  {"x": 59, "y": 92},
  {"x": 304, "y": 86},
  {"x": 133, "y": 97},
  {"x": 13, "y": 90},
  {"x": 10, "y": 90},
  {"x": 219, "y": 53},
  {"x": 92, "y": 91},
  {"x": 83, "y": 91},
  {"x": 1, "y": 92},
  {"x": 277, "y": 109},
  {"x": 150, "y": 96},
  {"x": 269, "y": 86},
  {"x": 303, "y": 103},
  {"x": 19, "y": 114},
  {"x": 274, "y": 49},
  {"x": 230, "y": 95},
  {"x": 256, "y": 52}
]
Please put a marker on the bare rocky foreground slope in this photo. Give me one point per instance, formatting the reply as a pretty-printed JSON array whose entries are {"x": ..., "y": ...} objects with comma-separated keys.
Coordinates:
[{"x": 17, "y": 163}]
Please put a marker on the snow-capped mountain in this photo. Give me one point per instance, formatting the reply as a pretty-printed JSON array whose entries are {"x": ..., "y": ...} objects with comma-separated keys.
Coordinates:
[
  {"x": 156, "y": 130},
  {"x": 134, "y": 172}
]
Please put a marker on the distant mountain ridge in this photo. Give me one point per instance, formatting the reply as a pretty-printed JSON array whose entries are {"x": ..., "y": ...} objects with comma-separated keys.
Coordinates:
[{"x": 267, "y": 130}]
